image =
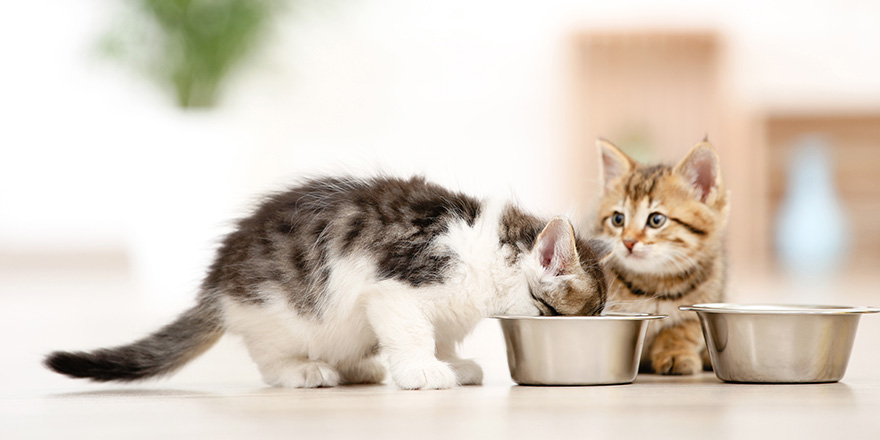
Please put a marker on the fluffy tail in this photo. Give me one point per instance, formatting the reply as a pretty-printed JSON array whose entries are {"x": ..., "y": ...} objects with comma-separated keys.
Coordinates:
[{"x": 160, "y": 353}]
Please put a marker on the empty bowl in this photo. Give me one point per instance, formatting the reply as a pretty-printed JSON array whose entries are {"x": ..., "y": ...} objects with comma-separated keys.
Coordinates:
[
  {"x": 575, "y": 350},
  {"x": 776, "y": 343}
]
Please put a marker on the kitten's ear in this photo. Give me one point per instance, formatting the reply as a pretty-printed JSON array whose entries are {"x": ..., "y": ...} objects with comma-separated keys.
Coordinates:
[
  {"x": 555, "y": 247},
  {"x": 701, "y": 170},
  {"x": 613, "y": 164}
]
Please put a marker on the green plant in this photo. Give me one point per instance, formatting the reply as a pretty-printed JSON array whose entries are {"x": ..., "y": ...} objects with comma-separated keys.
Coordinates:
[{"x": 191, "y": 46}]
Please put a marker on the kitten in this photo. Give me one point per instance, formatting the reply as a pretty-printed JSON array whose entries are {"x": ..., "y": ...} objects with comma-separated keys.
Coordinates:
[
  {"x": 666, "y": 226},
  {"x": 323, "y": 277}
]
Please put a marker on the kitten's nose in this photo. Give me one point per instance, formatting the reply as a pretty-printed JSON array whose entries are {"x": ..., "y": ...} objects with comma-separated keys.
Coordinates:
[{"x": 630, "y": 244}]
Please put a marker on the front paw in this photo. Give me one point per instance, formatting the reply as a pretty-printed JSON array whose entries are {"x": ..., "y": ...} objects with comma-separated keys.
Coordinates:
[
  {"x": 677, "y": 362},
  {"x": 467, "y": 372},
  {"x": 428, "y": 375}
]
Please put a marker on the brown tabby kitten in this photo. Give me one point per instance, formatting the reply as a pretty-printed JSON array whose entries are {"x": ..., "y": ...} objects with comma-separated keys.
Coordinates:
[{"x": 666, "y": 226}]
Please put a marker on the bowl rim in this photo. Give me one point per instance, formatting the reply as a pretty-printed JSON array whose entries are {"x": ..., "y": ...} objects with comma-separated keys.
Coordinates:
[
  {"x": 615, "y": 316},
  {"x": 778, "y": 309}
]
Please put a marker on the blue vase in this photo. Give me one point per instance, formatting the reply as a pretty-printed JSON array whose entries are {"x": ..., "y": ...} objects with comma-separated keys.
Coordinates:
[{"x": 811, "y": 230}]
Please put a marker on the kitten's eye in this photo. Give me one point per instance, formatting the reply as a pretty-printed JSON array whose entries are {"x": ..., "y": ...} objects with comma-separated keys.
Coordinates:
[
  {"x": 617, "y": 219},
  {"x": 656, "y": 220}
]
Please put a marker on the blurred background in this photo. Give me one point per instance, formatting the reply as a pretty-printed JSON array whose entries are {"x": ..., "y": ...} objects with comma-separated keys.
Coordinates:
[{"x": 134, "y": 133}]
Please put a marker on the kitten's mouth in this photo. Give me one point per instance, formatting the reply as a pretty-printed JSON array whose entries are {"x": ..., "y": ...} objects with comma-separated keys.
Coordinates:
[
  {"x": 634, "y": 255},
  {"x": 635, "y": 260},
  {"x": 635, "y": 252}
]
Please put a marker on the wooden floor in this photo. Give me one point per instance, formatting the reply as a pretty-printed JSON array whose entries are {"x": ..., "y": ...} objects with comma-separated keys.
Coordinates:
[{"x": 220, "y": 394}]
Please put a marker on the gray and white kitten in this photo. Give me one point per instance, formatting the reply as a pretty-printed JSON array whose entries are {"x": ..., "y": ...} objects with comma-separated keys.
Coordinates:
[{"x": 325, "y": 276}]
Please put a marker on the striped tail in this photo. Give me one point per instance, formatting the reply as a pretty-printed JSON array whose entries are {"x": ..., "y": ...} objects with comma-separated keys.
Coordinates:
[{"x": 160, "y": 353}]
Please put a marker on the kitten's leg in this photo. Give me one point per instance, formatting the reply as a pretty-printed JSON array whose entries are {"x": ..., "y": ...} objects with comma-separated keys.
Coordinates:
[
  {"x": 467, "y": 372},
  {"x": 280, "y": 354},
  {"x": 406, "y": 336},
  {"x": 676, "y": 349},
  {"x": 284, "y": 369},
  {"x": 368, "y": 370}
]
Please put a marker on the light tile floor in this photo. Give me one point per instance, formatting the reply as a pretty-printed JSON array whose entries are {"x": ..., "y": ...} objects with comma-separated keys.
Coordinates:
[{"x": 220, "y": 394}]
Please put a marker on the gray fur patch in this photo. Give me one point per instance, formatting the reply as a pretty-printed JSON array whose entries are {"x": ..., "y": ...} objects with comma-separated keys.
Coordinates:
[{"x": 292, "y": 237}]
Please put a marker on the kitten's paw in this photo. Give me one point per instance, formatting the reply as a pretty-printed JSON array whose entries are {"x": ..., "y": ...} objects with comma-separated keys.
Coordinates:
[
  {"x": 467, "y": 372},
  {"x": 306, "y": 375},
  {"x": 431, "y": 375},
  {"x": 679, "y": 362},
  {"x": 368, "y": 371}
]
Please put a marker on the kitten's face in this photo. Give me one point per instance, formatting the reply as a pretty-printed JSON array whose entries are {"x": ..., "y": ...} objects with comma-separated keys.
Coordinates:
[
  {"x": 565, "y": 275},
  {"x": 661, "y": 219}
]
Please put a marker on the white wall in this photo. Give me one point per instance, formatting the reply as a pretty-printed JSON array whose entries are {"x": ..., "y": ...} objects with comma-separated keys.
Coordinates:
[{"x": 471, "y": 93}]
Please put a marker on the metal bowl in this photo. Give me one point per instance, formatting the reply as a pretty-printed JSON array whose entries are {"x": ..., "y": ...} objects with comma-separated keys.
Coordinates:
[
  {"x": 575, "y": 350},
  {"x": 777, "y": 343}
]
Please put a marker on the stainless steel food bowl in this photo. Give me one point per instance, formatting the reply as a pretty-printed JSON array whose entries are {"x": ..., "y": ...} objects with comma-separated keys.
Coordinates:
[
  {"x": 575, "y": 350},
  {"x": 775, "y": 343}
]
